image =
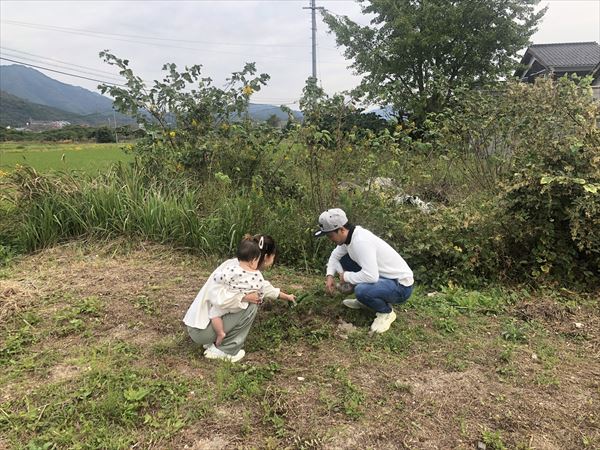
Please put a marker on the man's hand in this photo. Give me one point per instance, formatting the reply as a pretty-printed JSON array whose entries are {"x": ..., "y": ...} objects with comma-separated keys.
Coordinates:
[{"x": 330, "y": 285}]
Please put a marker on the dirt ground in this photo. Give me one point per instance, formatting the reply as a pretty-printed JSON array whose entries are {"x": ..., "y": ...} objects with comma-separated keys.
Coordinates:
[{"x": 331, "y": 386}]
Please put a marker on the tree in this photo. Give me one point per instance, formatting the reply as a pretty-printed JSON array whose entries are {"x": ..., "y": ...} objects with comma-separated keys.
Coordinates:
[
  {"x": 104, "y": 135},
  {"x": 273, "y": 121},
  {"x": 184, "y": 114},
  {"x": 417, "y": 52}
]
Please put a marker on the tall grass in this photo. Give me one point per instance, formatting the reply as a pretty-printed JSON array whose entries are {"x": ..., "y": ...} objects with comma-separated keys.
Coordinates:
[{"x": 209, "y": 218}]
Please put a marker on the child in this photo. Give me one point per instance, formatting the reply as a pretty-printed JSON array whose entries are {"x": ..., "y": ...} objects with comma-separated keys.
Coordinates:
[{"x": 242, "y": 275}]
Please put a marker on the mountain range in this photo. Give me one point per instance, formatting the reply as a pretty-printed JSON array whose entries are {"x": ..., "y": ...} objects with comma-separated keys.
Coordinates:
[{"x": 26, "y": 93}]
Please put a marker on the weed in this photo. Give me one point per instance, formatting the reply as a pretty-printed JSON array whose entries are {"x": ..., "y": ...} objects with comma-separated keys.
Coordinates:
[
  {"x": 447, "y": 326},
  {"x": 146, "y": 304},
  {"x": 315, "y": 337},
  {"x": 275, "y": 410},
  {"x": 89, "y": 306},
  {"x": 16, "y": 343},
  {"x": 514, "y": 332},
  {"x": 453, "y": 300},
  {"x": 285, "y": 325},
  {"x": 403, "y": 387},
  {"x": 464, "y": 432},
  {"x": 401, "y": 338},
  {"x": 246, "y": 428},
  {"x": 309, "y": 443},
  {"x": 588, "y": 441},
  {"x": 456, "y": 362},
  {"x": 547, "y": 355},
  {"x": 493, "y": 439},
  {"x": 507, "y": 371},
  {"x": 268, "y": 333},
  {"x": 350, "y": 398},
  {"x": 238, "y": 382},
  {"x": 6, "y": 255},
  {"x": 506, "y": 355},
  {"x": 168, "y": 345},
  {"x": 72, "y": 320},
  {"x": 547, "y": 378}
]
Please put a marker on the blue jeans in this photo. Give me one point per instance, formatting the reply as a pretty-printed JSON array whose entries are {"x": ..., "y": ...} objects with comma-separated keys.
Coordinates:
[{"x": 379, "y": 296}]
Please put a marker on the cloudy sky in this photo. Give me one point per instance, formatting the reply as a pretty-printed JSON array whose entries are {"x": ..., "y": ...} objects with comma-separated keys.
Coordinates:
[{"x": 222, "y": 35}]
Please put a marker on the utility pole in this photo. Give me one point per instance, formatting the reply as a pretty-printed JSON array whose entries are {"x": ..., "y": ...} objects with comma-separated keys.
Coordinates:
[
  {"x": 313, "y": 8},
  {"x": 115, "y": 121}
]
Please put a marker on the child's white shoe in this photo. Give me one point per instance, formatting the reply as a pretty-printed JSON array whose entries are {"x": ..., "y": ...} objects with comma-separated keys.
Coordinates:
[{"x": 213, "y": 352}]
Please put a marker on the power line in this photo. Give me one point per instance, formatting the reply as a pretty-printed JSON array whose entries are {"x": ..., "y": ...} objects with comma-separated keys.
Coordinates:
[
  {"x": 154, "y": 44},
  {"x": 136, "y": 36},
  {"x": 112, "y": 74},
  {"x": 60, "y": 66},
  {"x": 61, "y": 72}
]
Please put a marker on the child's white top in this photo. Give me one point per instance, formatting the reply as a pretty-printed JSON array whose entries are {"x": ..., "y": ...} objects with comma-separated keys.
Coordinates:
[
  {"x": 224, "y": 289},
  {"x": 236, "y": 279}
]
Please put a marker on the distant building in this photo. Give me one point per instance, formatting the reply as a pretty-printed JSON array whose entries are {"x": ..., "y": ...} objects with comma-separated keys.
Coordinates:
[
  {"x": 596, "y": 81},
  {"x": 43, "y": 125},
  {"x": 579, "y": 58},
  {"x": 556, "y": 60}
]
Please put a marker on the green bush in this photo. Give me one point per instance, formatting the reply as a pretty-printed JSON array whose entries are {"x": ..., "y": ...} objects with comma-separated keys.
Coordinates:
[
  {"x": 553, "y": 217},
  {"x": 534, "y": 151},
  {"x": 550, "y": 207}
]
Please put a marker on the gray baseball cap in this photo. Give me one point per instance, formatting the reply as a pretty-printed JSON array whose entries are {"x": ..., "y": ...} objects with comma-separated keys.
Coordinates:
[{"x": 331, "y": 220}]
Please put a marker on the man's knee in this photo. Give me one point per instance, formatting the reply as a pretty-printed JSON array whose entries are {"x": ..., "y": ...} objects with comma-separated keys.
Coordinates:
[{"x": 361, "y": 290}]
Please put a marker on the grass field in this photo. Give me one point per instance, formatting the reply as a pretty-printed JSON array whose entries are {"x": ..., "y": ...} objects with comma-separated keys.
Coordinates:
[
  {"x": 86, "y": 157},
  {"x": 93, "y": 354}
]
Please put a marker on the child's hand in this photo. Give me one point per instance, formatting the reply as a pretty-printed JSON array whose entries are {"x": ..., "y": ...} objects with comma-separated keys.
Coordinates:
[
  {"x": 252, "y": 297},
  {"x": 288, "y": 297}
]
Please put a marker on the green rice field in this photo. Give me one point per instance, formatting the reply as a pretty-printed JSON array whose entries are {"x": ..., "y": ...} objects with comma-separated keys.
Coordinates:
[{"x": 43, "y": 157}]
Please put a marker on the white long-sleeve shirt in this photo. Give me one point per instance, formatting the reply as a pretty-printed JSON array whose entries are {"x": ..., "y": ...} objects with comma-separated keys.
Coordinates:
[
  {"x": 224, "y": 292},
  {"x": 375, "y": 257}
]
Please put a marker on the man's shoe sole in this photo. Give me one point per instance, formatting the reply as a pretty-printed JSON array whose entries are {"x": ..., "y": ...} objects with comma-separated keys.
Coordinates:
[{"x": 353, "y": 304}]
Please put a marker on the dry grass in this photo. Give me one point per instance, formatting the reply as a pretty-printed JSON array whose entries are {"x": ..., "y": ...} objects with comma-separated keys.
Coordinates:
[{"x": 322, "y": 382}]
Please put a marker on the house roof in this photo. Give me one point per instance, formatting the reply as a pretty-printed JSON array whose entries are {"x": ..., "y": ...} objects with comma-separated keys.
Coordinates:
[{"x": 573, "y": 55}]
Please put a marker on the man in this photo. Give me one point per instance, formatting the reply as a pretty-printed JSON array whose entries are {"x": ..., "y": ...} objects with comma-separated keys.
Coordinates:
[{"x": 379, "y": 275}]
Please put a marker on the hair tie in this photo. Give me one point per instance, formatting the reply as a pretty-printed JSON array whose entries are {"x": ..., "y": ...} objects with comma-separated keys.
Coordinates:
[{"x": 261, "y": 242}]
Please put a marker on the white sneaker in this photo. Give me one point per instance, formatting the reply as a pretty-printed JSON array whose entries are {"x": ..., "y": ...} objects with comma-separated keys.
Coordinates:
[
  {"x": 383, "y": 321},
  {"x": 352, "y": 303},
  {"x": 213, "y": 352}
]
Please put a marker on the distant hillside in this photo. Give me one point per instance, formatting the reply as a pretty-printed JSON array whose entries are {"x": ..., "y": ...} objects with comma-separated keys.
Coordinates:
[
  {"x": 15, "y": 112},
  {"x": 263, "y": 112},
  {"x": 32, "y": 85},
  {"x": 35, "y": 88}
]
